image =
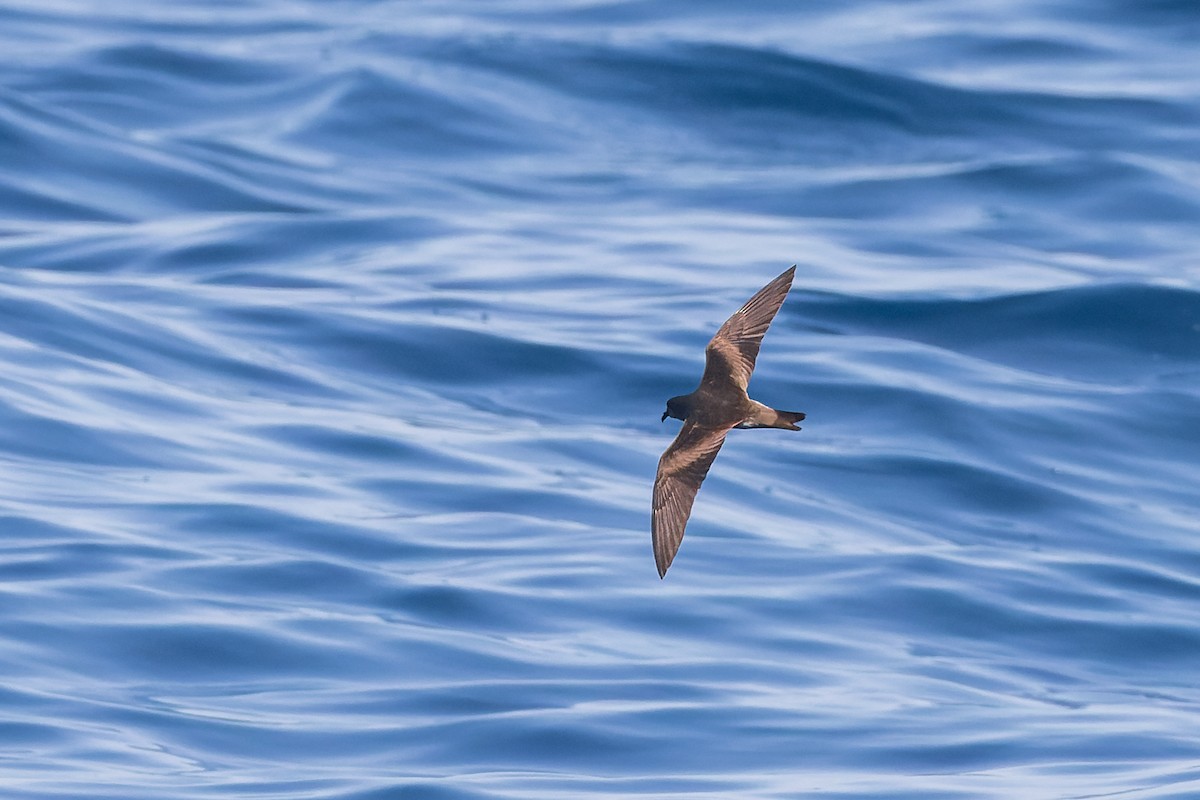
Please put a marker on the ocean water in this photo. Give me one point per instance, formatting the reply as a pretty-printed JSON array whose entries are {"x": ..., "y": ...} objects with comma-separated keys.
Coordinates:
[{"x": 334, "y": 339}]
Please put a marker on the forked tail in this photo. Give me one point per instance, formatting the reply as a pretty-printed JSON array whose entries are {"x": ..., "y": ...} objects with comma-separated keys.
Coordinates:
[
  {"x": 788, "y": 419},
  {"x": 766, "y": 417}
]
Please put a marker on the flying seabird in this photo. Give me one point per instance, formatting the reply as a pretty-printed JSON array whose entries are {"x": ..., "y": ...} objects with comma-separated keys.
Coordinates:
[{"x": 718, "y": 404}]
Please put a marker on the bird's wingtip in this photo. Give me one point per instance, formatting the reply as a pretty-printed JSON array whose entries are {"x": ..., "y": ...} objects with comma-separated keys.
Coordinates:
[{"x": 662, "y": 564}]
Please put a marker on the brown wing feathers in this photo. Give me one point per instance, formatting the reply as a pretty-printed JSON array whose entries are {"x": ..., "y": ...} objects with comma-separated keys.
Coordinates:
[
  {"x": 735, "y": 346},
  {"x": 681, "y": 470}
]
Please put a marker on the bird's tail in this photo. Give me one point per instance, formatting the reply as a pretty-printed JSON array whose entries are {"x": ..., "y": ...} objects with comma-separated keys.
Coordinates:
[
  {"x": 787, "y": 419},
  {"x": 766, "y": 417}
]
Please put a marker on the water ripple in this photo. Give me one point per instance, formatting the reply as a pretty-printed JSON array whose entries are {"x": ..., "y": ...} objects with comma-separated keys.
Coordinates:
[{"x": 333, "y": 343}]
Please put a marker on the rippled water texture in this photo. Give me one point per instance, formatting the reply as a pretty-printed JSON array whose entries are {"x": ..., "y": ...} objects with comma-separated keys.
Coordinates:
[{"x": 334, "y": 339}]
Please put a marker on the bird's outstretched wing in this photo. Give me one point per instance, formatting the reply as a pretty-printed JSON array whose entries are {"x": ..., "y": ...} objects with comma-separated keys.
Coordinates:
[
  {"x": 729, "y": 357},
  {"x": 681, "y": 470}
]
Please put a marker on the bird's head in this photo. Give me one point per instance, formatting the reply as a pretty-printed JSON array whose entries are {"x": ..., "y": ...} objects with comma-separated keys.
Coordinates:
[{"x": 677, "y": 407}]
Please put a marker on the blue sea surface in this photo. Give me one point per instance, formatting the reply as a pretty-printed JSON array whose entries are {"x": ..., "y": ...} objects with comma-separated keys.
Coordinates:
[{"x": 334, "y": 338}]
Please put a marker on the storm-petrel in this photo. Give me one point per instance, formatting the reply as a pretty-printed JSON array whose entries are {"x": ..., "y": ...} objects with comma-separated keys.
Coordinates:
[{"x": 718, "y": 404}]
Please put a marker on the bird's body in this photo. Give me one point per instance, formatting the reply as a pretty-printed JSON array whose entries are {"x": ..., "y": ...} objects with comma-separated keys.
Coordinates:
[{"x": 719, "y": 404}]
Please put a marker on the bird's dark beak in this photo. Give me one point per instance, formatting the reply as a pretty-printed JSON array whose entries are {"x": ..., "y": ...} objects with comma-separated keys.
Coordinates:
[{"x": 664, "y": 419}]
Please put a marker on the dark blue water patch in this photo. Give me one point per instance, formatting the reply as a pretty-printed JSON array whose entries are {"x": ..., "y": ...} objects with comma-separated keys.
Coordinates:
[
  {"x": 1177, "y": 19},
  {"x": 418, "y": 789},
  {"x": 1145, "y": 584},
  {"x": 371, "y": 113},
  {"x": 252, "y": 529},
  {"x": 26, "y": 529},
  {"x": 38, "y": 437},
  {"x": 205, "y": 651},
  {"x": 742, "y": 81},
  {"x": 906, "y": 486},
  {"x": 1066, "y": 186},
  {"x": 82, "y": 159},
  {"x": 1017, "y": 48},
  {"x": 192, "y": 70},
  {"x": 135, "y": 22},
  {"x": 357, "y": 446},
  {"x": 423, "y": 494},
  {"x": 97, "y": 250},
  {"x": 133, "y": 86},
  {"x": 441, "y": 354},
  {"x": 270, "y": 246},
  {"x": 274, "y": 579},
  {"x": 106, "y": 334},
  {"x": 1098, "y": 188},
  {"x": 293, "y": 176},
  {"x": 269, "y": 250},
  {"x": 17, "y": 17},
  {"x": 468, "y": 608},
  {"x": 895, "y": 748},
  {"x": 1086, "y": 634},
  {"x": 376, "y": 462},
  {"x": 1078, "y": 123},
  {"x": 716, "y": 13},
  {"x": 31, "y": 201},
  {"x": 280, "y": 250},
  {"x": 742, "y": 97},
  {"x": 19, "y": 736},
  {"x": 803, "y": 110},
  {"x": 1112, "y": 333},
  {"x": 569, "y": 746},
  {"x": 45, "y": 552}
]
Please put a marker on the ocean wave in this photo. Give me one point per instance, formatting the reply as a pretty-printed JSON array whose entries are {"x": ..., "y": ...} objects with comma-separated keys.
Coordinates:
[{"x": 333, "y": 347}]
